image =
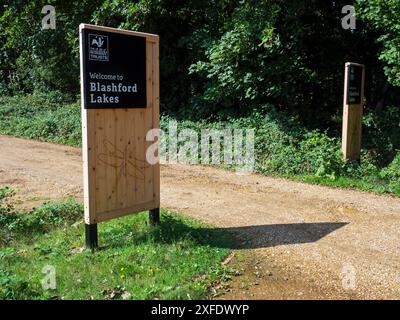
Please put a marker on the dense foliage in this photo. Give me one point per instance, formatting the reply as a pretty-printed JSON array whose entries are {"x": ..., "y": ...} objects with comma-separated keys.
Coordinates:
[
  {"x": 384, "y": 16},
  {"x": 218, "y": 57},
  {"x": 255, "y": 63}
]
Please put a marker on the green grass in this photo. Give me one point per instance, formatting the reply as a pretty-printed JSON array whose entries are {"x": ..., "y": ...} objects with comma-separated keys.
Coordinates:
[
  {"x": 179, "y": 259},
  {"x": 352, "y": 183}
]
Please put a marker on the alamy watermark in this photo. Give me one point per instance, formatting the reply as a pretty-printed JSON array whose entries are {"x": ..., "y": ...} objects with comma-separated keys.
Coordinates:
[
  {"x": 49, "y": 281},
  {"x": 49, "y": 20},
  {"x": 227, "y": 146},
  {"x": 349, "y": 20},
  {"x": 348, "y": 277}
]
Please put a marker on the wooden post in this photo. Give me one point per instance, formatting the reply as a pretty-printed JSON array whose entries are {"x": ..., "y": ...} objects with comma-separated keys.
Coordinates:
[
  {"x": 91, "y": 236},
  {"x": 354, "y": 83},
  {"x": 154, "y": 216}
]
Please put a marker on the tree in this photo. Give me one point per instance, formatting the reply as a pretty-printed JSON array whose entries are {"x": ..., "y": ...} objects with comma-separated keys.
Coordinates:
[
  {"x": 287, "y": 53},
  {"x": 44, "y": 59},
  {"x": 384, "y": 15},
  {"x": 217, "y": 57}
]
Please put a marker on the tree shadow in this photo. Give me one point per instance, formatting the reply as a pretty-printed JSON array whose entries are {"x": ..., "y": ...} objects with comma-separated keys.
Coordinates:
[
  {"x": 173, "y": 230},
  {"x": 264, "y": 236}
]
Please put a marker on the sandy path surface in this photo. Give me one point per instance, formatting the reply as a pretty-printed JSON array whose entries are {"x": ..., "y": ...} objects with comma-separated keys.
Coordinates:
[{"x": 298, "y": 241}]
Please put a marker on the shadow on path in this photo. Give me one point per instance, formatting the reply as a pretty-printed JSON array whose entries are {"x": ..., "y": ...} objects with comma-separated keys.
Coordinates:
[
  {"x": 282, "y": 234},
  {"x": 173, "y": 230}
]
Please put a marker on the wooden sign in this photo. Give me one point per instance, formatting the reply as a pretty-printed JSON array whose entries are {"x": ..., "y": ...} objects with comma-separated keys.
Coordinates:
[
  {"x": 353, "y": 101},
  {"x": 111, "y": 79},
  {"x": 120, "y": 104}
]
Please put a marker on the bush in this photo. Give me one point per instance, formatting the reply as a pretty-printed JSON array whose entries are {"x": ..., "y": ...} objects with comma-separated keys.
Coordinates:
[
  {"x": 381, "y": 134},
  {"x": 41, "y": 117},
  {"x": 383, "y": 16},
  {"x": 393, "y": 170},
  {"x": 392, "y": 174},
  {"x": 36, "y": 221},
  {"x": 322, "y": 155},
  {"x": 13, "y": 288},
  {"x": 284, "y": 147}
]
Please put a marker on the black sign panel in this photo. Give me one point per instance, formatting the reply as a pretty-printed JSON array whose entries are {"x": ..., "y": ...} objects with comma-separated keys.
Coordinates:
[
  {"x": 354, "y": 84},
  {"x": 114, "y": 70}
]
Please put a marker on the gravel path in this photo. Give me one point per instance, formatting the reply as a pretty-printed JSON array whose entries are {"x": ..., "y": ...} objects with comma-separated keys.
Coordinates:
[{"x": 298, "y": 240}]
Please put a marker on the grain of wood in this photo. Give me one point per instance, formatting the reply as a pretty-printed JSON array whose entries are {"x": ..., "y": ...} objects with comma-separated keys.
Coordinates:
[{"x": 117, "y": 177}]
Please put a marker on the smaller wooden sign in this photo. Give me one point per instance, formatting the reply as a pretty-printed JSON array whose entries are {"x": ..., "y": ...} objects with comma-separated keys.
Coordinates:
[{"x": 353, "y": 101}]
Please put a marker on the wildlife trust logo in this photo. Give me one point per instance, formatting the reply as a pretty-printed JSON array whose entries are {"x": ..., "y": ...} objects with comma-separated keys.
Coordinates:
[{"x": 98, "y": 47}]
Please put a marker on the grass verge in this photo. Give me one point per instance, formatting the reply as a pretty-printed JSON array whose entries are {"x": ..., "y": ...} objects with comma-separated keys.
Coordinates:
[{"x": 179, "y": 259}]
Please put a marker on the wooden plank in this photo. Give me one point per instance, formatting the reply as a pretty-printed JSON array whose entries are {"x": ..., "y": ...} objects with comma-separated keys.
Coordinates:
[
  {"x": 113, "y": 214},
  {"x": 140, "y": 160},
  {"x": 149, "y": 36},
  {"x": 131, "y": 184},
  {"x": 123, "y": 169},
  {"x": 352, "y": 132},
  {"x": 156, "y": 119},
  {"x": 101, "y": 175},
  {"x": 88, "y": 157},
  {"x": 148, "y": 122}
]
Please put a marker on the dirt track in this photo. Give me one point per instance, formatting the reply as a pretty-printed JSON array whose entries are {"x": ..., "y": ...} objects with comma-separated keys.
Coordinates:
[{"x": 303, "y": 241}]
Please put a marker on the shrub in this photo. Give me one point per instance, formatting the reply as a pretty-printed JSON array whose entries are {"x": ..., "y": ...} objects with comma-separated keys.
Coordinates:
[
  {"x": 322, "y": 155},
  {"x": 36, "y": 221},
  {"x": 13, "y": 288},
  {"x": 41, "y": 117}
]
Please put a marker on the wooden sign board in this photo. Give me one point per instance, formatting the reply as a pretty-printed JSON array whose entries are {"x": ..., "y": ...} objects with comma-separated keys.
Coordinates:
[
  {"x": 353, "y": 101},
  {"x": 120, "y": 104}
]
